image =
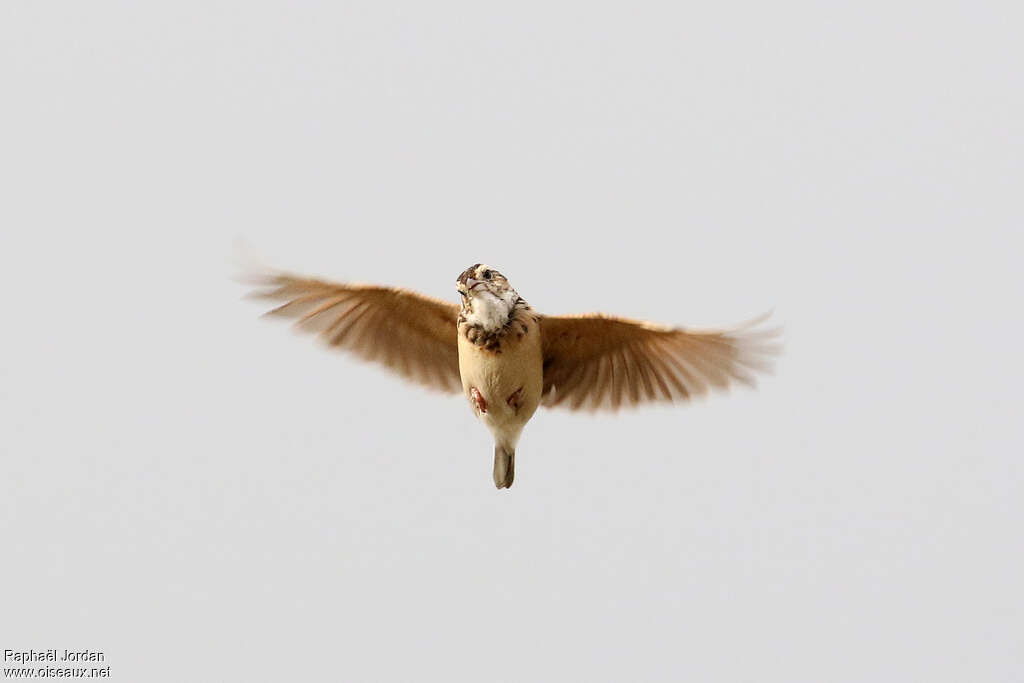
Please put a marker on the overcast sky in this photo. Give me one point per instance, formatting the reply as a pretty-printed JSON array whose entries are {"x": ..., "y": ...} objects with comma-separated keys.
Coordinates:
[{"x": 204, "y": 495}]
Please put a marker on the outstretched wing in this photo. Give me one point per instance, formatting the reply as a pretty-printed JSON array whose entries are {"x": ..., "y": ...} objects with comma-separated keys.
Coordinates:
[
  {"x": 409, "y": 333},
  {"x": 596, "y": 361}
]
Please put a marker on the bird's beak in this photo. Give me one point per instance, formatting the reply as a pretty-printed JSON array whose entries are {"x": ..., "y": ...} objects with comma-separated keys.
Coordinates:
[{"x": 471, "y": 283}]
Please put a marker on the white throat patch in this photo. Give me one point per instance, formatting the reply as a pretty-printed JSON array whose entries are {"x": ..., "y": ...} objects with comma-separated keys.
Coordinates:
[{"x": 491, "y": 311}]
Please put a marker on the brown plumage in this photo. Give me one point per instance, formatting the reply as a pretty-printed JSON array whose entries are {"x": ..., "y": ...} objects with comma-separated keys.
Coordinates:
[
  {"x": 410, "y": 333},
  {"x": 507, "y": 359},
  {"x": 597, "y": 361}
]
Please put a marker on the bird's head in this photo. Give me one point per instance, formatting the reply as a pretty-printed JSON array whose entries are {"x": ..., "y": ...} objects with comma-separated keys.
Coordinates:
[{"x": 487, "y": 297}]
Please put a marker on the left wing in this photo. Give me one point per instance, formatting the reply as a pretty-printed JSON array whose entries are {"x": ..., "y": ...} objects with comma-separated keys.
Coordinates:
[{"x": 596, "y": 361}]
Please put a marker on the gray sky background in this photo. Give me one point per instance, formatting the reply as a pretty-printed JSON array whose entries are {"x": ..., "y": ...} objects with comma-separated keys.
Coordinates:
[{"x": 205, "y": 496}]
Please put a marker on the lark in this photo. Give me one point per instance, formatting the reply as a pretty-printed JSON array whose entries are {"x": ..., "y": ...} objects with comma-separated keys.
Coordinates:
[{"x": 506, "y": 359}]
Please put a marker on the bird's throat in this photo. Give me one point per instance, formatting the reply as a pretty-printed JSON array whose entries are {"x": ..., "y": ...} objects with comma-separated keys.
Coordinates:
[{"x": 489, "y": 311}]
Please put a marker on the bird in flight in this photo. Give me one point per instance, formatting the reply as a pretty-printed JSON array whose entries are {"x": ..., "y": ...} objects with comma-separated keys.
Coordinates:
[{"x": 507, "y": 359}]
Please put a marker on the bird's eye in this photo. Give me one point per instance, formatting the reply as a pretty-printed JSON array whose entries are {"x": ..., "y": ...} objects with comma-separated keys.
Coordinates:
[{"x": 487, "y": 275}]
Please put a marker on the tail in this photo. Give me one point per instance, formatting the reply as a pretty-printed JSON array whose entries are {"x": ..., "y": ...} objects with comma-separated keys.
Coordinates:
[{"x": 504, "y": 466}]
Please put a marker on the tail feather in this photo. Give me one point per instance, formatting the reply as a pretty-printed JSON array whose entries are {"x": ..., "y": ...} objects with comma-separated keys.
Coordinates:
[{"x": 504, "y": 466}]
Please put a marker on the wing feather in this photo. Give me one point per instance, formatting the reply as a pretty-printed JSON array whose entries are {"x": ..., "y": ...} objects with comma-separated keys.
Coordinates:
[
  {"x": 642, "y": 381},
  {"x": 411, "y": 334},
  {"x": 602, "y": 362}
]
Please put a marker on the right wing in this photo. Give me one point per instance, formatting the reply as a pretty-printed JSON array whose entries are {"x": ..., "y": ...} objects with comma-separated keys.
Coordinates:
[{"x": 412, "y": 334}]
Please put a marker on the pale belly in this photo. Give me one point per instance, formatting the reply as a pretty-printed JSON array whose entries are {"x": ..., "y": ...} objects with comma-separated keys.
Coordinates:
[{"x": 509, "y": 384}]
